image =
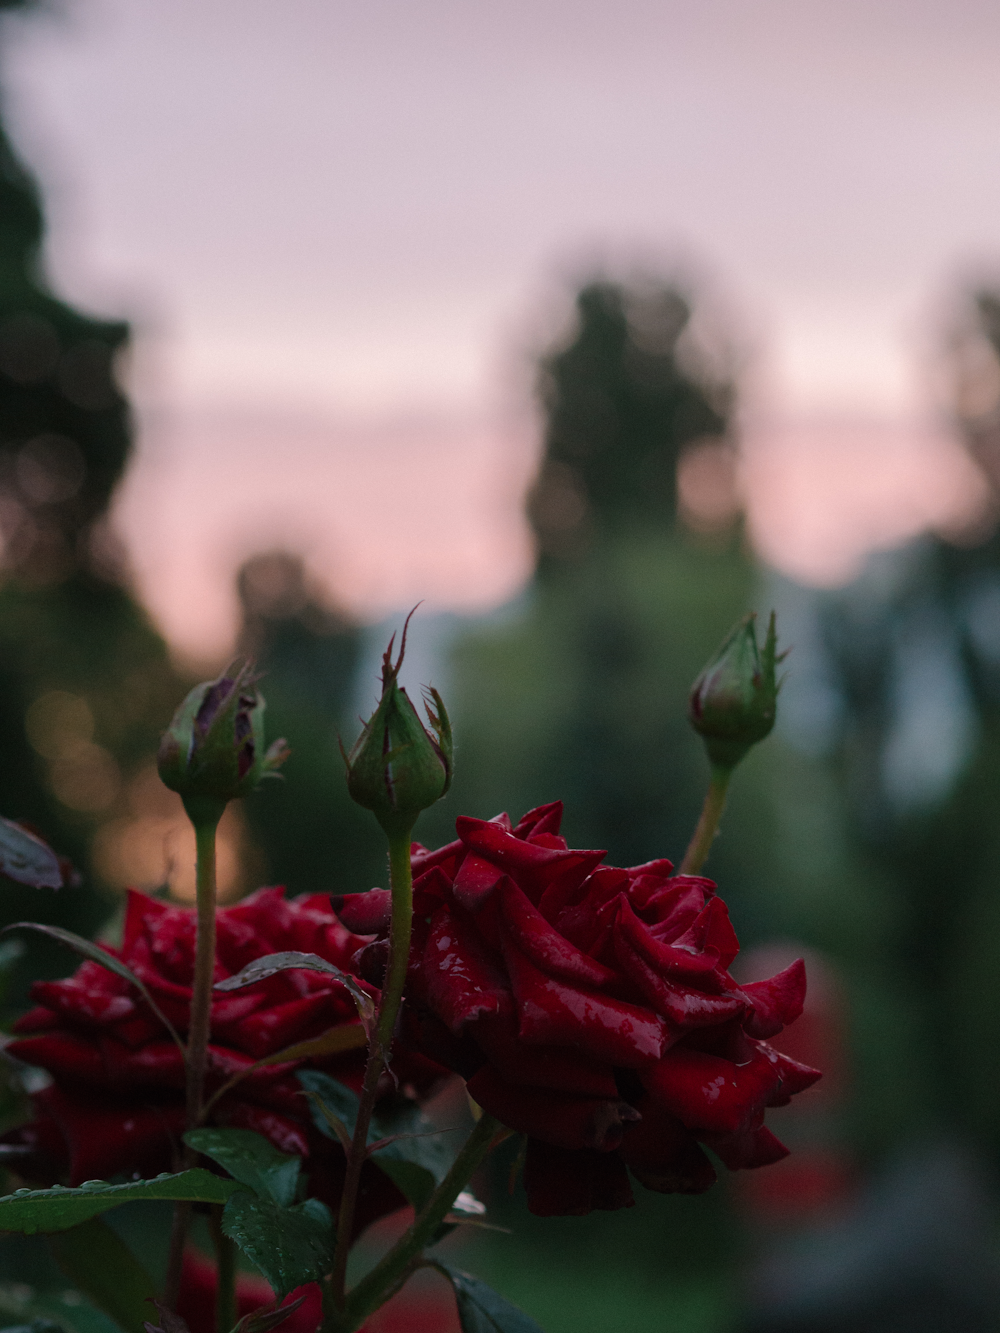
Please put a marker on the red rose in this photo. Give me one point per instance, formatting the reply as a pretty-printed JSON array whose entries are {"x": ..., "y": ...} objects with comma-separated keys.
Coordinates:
[
  {"x": 591, "y": 1009},
  {"x": 116, "y": 1105}
]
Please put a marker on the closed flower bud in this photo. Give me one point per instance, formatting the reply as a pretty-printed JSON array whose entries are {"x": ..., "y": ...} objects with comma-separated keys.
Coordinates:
[
  {"x": 397, "y": 767},
  {"x": 733, "y": 702},
  {"x": 213, "y": 751}
]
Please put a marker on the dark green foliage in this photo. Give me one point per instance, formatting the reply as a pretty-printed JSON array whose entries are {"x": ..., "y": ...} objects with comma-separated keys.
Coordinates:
[
  {"x": 290, "y": 1246},
  {"x": 416, "y": 1161},
  {"x": 101, "y": 1265},
  {"x": 59, "y": 1208},
  {"x": 290, "y": 1243},
  {"x": 481, "y": 1309}
]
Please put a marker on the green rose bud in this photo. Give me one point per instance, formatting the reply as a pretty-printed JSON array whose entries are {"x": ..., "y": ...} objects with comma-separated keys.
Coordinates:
[
  {"x": 213, "y": 751},
  {"x": 397, "y": 768},
  {"x": 733, "y": 702}
]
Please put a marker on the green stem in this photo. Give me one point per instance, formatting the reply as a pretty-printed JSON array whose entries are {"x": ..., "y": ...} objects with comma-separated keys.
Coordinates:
[
  {"x": 401, "y": 882},
  {"x": 708, "y": 822},
  {"x": 372, "y": 1290},
  {"x": 225, "y": 1266},
  {"x": 199, "y": 1026},
  {"x": 204, "y": 970}
]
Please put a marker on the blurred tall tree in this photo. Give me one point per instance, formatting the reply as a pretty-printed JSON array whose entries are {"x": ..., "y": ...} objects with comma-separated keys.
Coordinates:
[
  {"x": 312, "y": 835},
  {"x": 85, "y": 682},
  {"x": 583, "y": 695}
]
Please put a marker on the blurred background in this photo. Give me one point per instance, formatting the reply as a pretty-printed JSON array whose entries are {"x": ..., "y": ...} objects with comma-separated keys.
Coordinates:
[{"x": 590, "y": 327}]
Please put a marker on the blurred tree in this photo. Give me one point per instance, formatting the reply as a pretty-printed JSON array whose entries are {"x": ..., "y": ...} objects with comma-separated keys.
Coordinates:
[
  {"x": 906, "y": 672},
  {"x": 85, "y": 682},
  {"x": 583, "y": 695},
  {"x": 313, "y": 837}
]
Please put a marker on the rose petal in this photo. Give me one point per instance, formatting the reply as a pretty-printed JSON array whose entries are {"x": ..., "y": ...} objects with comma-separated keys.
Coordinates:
[
  {"x": 543, "y": 819},
  {"x": 707, "y": 1093},
  {"x": 364, "y": 913},
  {"x": 682, "y": 1006},
  {"x": 546, "y": 948},
  {"x": 775, "y": 1002},
  {"x": 562, "y": 1183},
  {"x": 670, "y": 961},
  {"x": 562, "y": 1120},
  {"x": 460, "y": 980},
  {"x": 663, "y": 1155},
  {"x": 554, "y": 1067},
  {"x": 712, "y": 930},
  {"x": 755, "y": 1147},
  {"x": 553, "y": 1013}
]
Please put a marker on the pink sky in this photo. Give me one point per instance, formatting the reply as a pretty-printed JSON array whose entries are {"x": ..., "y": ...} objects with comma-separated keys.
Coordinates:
[{"x": 337, "y": 228}]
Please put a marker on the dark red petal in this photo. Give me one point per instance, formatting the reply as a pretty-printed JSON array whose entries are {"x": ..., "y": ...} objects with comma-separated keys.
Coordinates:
[
  {"x": 543, "y": 819},
  {"x": 756, "y": 1147},
  {"x": 554, "y": 1067},
  {"x": 706, "y": 1092},
  {"x": 532, "y": 866},
  {"x": 712, "y": 930},
  {"x": 286, "y": 1134},
  {"x": 794, "y": 1077},
  {"x": 268, "y": 1030},
  {"x": 672, "y": 910},
  {"x": 364, "y": 913},
  {"x": 157, "y": 1064},
  {"x": 776, "y": 1002},
  {"x": 63, "y": 1055},
  {"x": 460, "y": 980},
  {"x": 445, "y": 857},
  {"x": 141, "y": 913},
  {"x": 670, "y": 961},
  {"x": 475, "y": 881},
  {"x": 81, "y": 1004},
  {"x": 107, "y": 1139},
  {"x": 553, "y": 1013},
  {"x": 546, "y": 948},
  {"x": 562, "y": 1183},
  {"x": 682, "y": 1006},
  {"x": 556, "y": 1118},
  {"x": 663, "y": 1155}
]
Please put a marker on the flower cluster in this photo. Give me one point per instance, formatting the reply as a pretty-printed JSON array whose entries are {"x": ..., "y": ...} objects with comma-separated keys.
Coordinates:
[
  {"x": 116, "y": 1103},
  {"x": 591, "y": 1008}
]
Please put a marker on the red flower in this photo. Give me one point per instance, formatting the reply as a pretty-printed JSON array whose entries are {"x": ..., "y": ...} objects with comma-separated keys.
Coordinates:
[
  {"x": 591, "y": 1008},
  {"x": 116, "y": 1105}
]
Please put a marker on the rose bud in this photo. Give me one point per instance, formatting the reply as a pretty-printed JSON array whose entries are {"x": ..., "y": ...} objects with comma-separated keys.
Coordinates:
[
  {"x": 733, "y": 702},
  {"x": 213, "y": 750},
  {"x": 397, "y": 767}
]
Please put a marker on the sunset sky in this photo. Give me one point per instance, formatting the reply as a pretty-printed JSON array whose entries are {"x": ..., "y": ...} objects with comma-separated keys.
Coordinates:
[{"x": 340, "y": 229}]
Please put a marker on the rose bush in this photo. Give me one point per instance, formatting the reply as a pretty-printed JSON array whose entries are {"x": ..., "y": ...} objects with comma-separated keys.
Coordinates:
[
  {"x": 590, "y": 1008},
  {"x": 116, "y": 1103}
]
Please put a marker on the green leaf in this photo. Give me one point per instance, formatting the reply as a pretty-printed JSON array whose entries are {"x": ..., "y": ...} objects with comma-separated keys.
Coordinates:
[
  {"x": 60, "y": 1208},
  {"x": 268, "y": 966},
  {"x": 89, "y": 950},
  {"x": 24, "y": 1307},
  {"x": 417, "y": 1157},
  {"x": 481, "y": 1309},
  {"x": 27, "y": 859},
  {"x": 290, "y": 1246},
  {"x": 266, "y": 1317},
  {"x": 99, "y": 1263},
  {"x": 251, "y": 1159}
]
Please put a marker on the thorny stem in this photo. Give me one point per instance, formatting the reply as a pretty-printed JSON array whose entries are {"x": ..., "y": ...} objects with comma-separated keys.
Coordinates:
[
  {"x": 708, "y": 822},
  {"x": 204, "y": 971},
  {"x": 198, "y": 1029},
  {"x": 371, "y": 1291},
  {"x": 225, "y": 1260},
  {"x": 401, "y": 882}
]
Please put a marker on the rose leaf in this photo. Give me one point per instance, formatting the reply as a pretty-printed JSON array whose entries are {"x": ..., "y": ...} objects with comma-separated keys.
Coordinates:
[
  {"x": 100, "y": 1265},
  {"x": 268, "y": 966},
  {"x": 59, "y": 1208},
  {"x": 290, "y": 1246},
  {"x": 27, "y": 859},
  {"x": 481, "y": 1309},
  {"x": 251, "y": 1159}
]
